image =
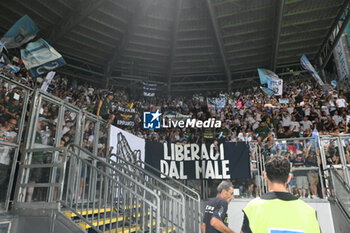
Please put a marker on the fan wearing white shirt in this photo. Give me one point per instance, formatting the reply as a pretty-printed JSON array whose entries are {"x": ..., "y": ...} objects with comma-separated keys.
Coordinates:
[
  {"x": 294, "y": 127},
  {"x": 341, "y": 102},
  {"x": 306, "y": 123},
  {"x": 325, "y": 108},
  {"x": 286, "y": 120},
  {"x": 337, "y": 119}
]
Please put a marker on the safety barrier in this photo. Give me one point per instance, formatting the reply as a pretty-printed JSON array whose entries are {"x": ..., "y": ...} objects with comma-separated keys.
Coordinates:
[
  {"x": 115, "y": 200},
  {"x": 46, "y": 129},
  {"x": 307, "y": 179},
  {"x": 143, "y": 171},
  {"x": 192, "y": 213},
  {"x": 339, "y": 190},
  {"x": 172, "y": 201},
  {"x": 335, "y": 151},
  {"x": 14, "y": 109}
]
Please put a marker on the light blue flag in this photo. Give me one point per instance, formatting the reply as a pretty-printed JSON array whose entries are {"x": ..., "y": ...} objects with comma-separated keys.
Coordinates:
[
  {"x": 216, "y": 103},
  {"x": 20, "y": 33},
  {"x": 315, "y": 141},
  {"x": 267, "y": 91},
  {"x": 13, "y": 68},
  {"x": 220, "y": 103},
  {"x": 334, "y": 83},
  {"x": 40, "y": 58},
  {"x": 305, "y": 63},
  {"x": 266, "y": 75}
]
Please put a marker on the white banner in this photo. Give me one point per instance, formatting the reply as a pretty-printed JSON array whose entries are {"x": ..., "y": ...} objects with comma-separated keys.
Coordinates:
[
  {"x": 47, "y": 80},
  {"x": 276, "y": 85},
  {"x": 127, "y": 145}
]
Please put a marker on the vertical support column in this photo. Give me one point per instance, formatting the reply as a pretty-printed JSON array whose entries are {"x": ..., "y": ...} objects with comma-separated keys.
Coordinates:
[
  {"x": 107, "y": 74},
  {"x": 18, "y": 142},
  {"x": 58, "y": 135},
  {"x": 23, "y": 173},
  {"x": 173, "y": 42},
  {"x": 279, "y": 16},
  {"x": 343, "y": 160}
]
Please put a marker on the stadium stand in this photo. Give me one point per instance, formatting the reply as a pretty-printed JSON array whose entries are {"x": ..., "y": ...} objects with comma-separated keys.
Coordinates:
[{"x": 58, "y": 170}]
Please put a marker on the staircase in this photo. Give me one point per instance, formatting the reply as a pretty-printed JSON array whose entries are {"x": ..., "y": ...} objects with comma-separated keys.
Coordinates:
[
  {"x": 126, "y": 224},
  {"x": 112, "y": 200}
]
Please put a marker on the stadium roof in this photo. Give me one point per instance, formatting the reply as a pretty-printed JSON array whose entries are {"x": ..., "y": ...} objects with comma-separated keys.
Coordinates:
[{"x": 180, "y": 44}]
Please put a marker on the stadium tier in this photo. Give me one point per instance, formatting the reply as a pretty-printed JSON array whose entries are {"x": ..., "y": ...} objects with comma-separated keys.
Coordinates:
[{"x": 178, "y": 116}]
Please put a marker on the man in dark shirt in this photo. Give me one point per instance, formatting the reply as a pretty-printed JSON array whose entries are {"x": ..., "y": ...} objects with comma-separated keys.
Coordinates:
[
  {"x": 262, "y": 131},
  {"x": 215, "y": 217},
  {"x": 300, "y": 176},
  {"x": 104, "y": 109}
]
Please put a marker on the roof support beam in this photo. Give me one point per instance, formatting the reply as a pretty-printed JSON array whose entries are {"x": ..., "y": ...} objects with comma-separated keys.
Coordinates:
[
  {"x": 334, "y": 26},
  {"x": 199, "y": 82},
  {"x": 279, "y": 17},
  {"x": 220, "y": 43},
  {"x": 328, "y": 53},
  {"x": 173, "y": 43},
  {"x": 120, "y": 48},
  {"x": 139, "y": 79},
  {"x": 80, "y": 12},
  {"x": 84, "y": 69}
]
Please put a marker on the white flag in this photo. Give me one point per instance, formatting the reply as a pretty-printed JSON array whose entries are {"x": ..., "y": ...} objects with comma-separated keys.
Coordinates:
[{"x": 47, "y": 80}]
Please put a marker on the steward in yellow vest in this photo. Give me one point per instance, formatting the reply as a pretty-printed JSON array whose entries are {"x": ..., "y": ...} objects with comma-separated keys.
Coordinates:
[{"x": 279, "y": 211}]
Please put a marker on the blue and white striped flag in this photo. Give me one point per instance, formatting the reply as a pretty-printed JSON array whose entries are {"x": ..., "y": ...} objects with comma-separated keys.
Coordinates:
[
  {"x": 267, "y": 91},
  {"x": 40, "y": 58},
  {"x": 149, "y": 89},
  {"x": 4, "y": 59},
  {"x": 265, "y": 75},
  {"x": 20, "y": 33},
  {"x": 306, "y": 64}
]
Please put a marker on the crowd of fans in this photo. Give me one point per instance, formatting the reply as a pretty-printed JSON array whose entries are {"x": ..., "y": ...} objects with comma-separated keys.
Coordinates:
[{"x": 248, "y": 116}]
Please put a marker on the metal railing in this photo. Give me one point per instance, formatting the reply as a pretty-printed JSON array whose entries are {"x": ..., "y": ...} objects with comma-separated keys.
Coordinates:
[
  {"x": 172, "y": 201},
  {"x": 192, "y": 215},
  {"x": 190, "y": 199},
  {"x": 10, "y": 144},
  {"x": 41, "y": 184},
  {"x": 114, "y": 199},
  {"x": 335, "y": 151},
  {"x": 311, "y": 173},
  {"x": 344, "y": 156},
  {"x": 339, "y": 190}
]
